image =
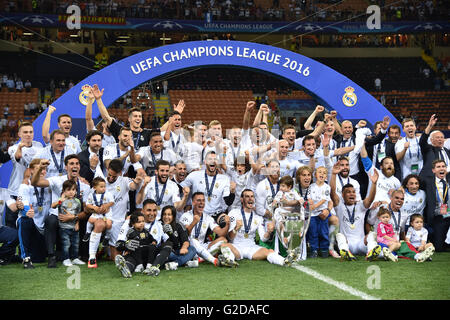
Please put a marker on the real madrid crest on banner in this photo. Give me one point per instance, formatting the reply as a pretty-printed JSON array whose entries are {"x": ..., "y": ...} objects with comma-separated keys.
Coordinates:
[
  {"x": 349, "y": 98},
  {"x": 83, "y": 97}
]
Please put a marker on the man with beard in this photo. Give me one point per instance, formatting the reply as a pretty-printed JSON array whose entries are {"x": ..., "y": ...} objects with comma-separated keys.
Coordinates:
[
  {"x": 349, "y": 138},
  {"x": 437, "y": 203},
  {"x": 164, "y": 191},
  {"x": 343, "y": 178},
  {"x": 123, "y": 150},
  {"x": 351, "y": 212},
  {"x": 163, "y": 248},
  {"x": 55, "y": 153},
  {"x": 154, "y": 152},
  {"x": 174, "y": 136},
  {"x": 267, "y": 189},
  {"x": 179, "y": 175},
  {"x": 289, "y": 134},
  {"x": 197, "y": 225},
  {"x": 65, "y": 125},
  {"x": 394, "y": 136},
  {"x": 434, "y": 151},
  {"x": 217, "y": 188},
  {"x": 140, "y": 136},
  {"x": 91, "y": 159},
  {"x": 55, "y": 183},
  {"x": 118, "y": 186},
  {"x": 244, "y": 223},
  {"x": 408, "y": 151}
]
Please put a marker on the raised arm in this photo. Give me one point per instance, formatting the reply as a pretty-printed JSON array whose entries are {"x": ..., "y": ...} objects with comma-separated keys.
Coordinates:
[
  {"x": 248, "y": 109},
  {"x": 308, "y": 124},
  {"x": 88, "y": 115},
  {"x": 46, "y": 124},
  {"x": 337, "y": 125},
  {"x": 373, "y": 190},
  {"x": 335, "y": 171},
  {"x": 101, "y": 107},
  {"x": 36, "y": 179}
]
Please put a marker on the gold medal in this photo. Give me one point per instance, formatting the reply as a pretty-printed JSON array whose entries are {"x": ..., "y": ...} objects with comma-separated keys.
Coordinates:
[
  {"x": 40, "y": 208},
  {"x": 60, "y": 174},
  {"x": 352, "y": 226},
  {"x": 209, "y": 198},
  {"x": 246, "y": 235},
  {"x": 158, "y": 208}
]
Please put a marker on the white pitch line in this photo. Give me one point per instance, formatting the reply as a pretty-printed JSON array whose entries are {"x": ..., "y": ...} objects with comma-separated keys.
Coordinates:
[{"x": 340, "y": 285}]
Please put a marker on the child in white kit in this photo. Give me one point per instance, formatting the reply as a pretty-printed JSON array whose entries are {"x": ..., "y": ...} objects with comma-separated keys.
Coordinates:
[
  {"x": 100, "y": 203},
  {"x": 287, "y": 200},
  {"x": 417, "y": 235}
]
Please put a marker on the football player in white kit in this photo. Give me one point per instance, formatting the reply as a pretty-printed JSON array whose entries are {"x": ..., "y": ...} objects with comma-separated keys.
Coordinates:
[
  {"x": 119, "y": 186},
  {"x": 197, "y": 224},
  {"x": 55, "y": 183},
  {"x": 217, "y": 188},
  {"x": 65, "y": 125},
  {"x": 244, "y": 223},
  {"x": 351, "y": 212},
  {"x": 161, "y": 189}
]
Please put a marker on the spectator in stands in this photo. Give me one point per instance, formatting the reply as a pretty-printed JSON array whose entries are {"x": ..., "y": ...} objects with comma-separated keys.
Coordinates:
[
  {"x": 6, "y": 111},
  {"x": 10, "y": 84},
  {"x": 12, "y": 127},
  {"x": 26, "y": 109},
  {"x": 378, "y": 84},
  {"x": 32, "y": 107},
  {"x": 4, "y": 123},
  {"x": 19, "y": 85},
  {"x": 27, "y": 86}
]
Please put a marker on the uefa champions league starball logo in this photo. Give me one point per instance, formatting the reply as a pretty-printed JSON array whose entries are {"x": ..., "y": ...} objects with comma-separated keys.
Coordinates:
[{"x": 349, "y": 98}]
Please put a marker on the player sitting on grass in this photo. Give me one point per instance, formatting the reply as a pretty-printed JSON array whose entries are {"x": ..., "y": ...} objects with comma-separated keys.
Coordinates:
[
  {"x": 351, "y": 212},
  {"x": 417, "y": 235}
]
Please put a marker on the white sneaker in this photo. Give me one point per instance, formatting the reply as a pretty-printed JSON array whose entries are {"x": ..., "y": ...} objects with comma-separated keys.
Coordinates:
[
  {"x": 78, "y": 261},
  {"x": 151, "y": 270},
  {"x": 425, "y": 255},
  {"x": 139, "y": 268},
  {"x": 389, "y": 255},
  {"x": 67, "y": 263},
  {"x": 172, "y": 265},
  {"x": 192, "y": 264}
]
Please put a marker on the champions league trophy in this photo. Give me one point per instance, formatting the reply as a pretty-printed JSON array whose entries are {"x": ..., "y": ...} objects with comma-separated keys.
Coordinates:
[{"x": 291, "y": 227}]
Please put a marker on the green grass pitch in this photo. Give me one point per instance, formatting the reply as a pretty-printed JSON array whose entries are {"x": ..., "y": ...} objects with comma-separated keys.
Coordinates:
[{"x": 252, "y": 280}]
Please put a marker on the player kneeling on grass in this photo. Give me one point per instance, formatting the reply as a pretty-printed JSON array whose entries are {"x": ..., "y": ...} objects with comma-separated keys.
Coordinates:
[
  {"x": 351, "y": 212},
  {"x": 244, "y": 223},
  {"x": 139, "y": 248}
]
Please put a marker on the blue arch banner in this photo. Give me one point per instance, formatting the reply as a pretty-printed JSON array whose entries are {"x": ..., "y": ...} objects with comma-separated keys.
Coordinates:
[{"x": 332, "y": 89}]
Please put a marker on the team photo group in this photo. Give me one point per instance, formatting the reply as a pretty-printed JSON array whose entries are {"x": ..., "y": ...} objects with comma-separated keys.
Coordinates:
[{"x": 183, "y": 194}]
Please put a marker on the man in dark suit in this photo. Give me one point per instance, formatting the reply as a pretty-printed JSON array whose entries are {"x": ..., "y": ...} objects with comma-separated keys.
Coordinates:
[
  {"x": 437, "y": 202},
  {"x": 91, "y": 159},
  {"x": 434, "y": 151}
]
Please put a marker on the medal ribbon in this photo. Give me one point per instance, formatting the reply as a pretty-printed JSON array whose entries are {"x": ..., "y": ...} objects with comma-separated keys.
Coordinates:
[
  {"x": 351, "y": 216},
  {"x": 272, "y": 189},
  {"x": 101, "y": 199},
  {"x": 59, "y": 166},
  {"x": 198, "y": 227},
  {"x": 208, "y": 189},
  {"x": 39, "y": 197},
  {"x": 246, "y": 226},
  {"x": 159, "y": 197}
]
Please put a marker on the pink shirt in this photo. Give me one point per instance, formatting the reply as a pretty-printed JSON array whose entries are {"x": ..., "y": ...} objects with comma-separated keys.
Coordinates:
[{"x": 385, "y": 229}]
